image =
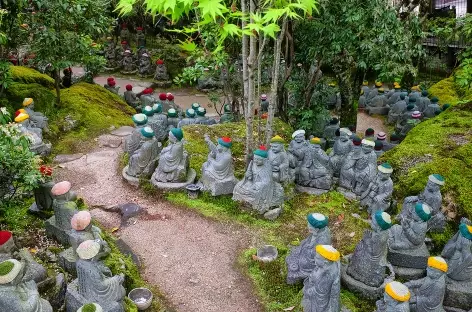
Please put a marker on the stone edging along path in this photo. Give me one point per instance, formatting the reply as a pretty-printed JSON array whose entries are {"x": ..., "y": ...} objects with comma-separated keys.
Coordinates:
[{"x": 189, "y": 258}]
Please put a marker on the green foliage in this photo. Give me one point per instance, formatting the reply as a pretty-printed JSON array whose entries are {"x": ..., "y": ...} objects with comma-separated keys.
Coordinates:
[
  {"x": 445, "y": 90},
  {"x": 93, "y": 65},
  {"x": 4, "y": 116},
  {"x": 5, "y": 76},
  {"x": 28, "y": 75},
  {"x": 6, "y": 267},
  {"x": 198, "y": 149},
  {"x": 463, "y": 77},
  {"x": 19, "y": 172},
  {"x": 89, "y": 307},
  {"x": 14, "y": 216}
]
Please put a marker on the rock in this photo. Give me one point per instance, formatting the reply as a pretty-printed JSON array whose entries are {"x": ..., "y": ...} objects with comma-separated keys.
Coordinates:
[
  {"x": 51, "y": 256},
  {"x": 100, "y": 156},
  {"x": 273, "y": 214},
  {"x": 458, "y": 295},
  {"x": 107, "y": 140},
  {"x": 123, "y": 131},
  {"x": 69, "y": 124},
  {"x": 64, "y": 158},
  {"x": 129, "y": 210}
]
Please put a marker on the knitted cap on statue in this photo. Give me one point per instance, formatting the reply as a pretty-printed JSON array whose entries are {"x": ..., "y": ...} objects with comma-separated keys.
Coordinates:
[
  {"x": 328, "y": 252},
  {"x": 438, "y": 263},
  {"x": 61, "y": 188},
  {"x": 277, "y": 139},
  {"x": 317, "y": 220},
  {"x": 397, "y": 291},
  {"x": 88, "y": 249},
  {"x": 81, "y": 220},
  {"x": 383, "y": 219},
  {"x": 225, "y": 141},
  {"x": 261, "y": 152}
]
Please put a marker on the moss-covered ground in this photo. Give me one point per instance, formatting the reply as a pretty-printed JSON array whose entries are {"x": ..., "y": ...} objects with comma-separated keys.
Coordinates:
[{"x": 92, "y": 107}]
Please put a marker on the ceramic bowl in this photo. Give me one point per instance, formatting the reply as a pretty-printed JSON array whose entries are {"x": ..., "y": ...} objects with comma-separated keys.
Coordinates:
[{"x": 142, "y": 298}]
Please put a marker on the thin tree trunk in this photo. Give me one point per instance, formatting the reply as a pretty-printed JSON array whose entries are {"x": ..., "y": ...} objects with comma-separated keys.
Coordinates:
[
  {"x": 273, "y": 99},
  {"x": 347, "y": 114},
  {"x": 245, "y": 96},
  {"x": 250, "y": 89},
  {"x": 57, "y": 81}
]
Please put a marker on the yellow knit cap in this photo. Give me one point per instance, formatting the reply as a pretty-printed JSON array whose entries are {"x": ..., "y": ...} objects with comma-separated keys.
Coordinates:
[
  {"x": 397, "y": 291},
  {"x": 315, "y": 141},
  {"x": 437, "y": 263},
  {"x": 27, "y": 101},
  {"x": 328, "y": 252},
  {"x": 378, "y": 84},
  {"x": 365, "y": 83},
  {"x": 277, "y": 139},
  {"x": 21, "y": 117}
]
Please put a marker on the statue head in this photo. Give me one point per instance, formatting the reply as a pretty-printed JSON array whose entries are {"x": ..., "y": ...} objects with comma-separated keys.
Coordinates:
[
  {"x": 435, "y": 181},
  {"x": 190, "y": 113},
  {"x": 369, "y": 132},
  {"x": 169, "y": 96},
  {"x": 11, "y": 272},
  {"x": 23, "y": 119},
  {"x": 434, "y": 100},
  {"x": 227, "y": 108},
  {"x": 299, "y": 136},
  {"x": 385, "y": 171},
  {"x": 316, "y": 222},
  {"x": 263, "y": 97},
  {"x": 260, "y": 155},
  {"x": 277, "y": 144},
  {"x": 381, "y": 136},
  {"x": 148, "y": 111},
  {"x": 325, "y": 255},
  {"x": 367, "y": 146},
  {"x": 224, "y": 143},
  {"x": 394, "y": 138},
  {"x": 147, "y": 133},
  {"x": 162, "y": 96},
  {"x": 344, "y": 134},
  {"x": 201, "y": 111},
  {"x": 378, "y": 145},
  {"x": 195, "y": 106},
  {"x": 334, "y": 122},
  {"x": 28, "y": 102},
  {"x": 62, "y": 191},
  {"x": 381, "y": 221},
  {"x": 437, "y": 267},
  {"x": 466, "y": 231},
  {"x": 140, "y": 119},
  {"x": 129, "y": 87},
  {"x": 395, "y": 293},
  {"x": 88, "y": 250},
  {"x": 424, "y": 93},
  {"x": 422, "y": 212},
  {"x": 172, "y": 113},
  {"x": 378, "y": 84},
  {"x": 81, "y": 221},
  {"x": 176, "y": 135},
  {"x": 157, "y": 108},
  {"x": 315, "y": 142},
  {"x": 139, "y": 30}
]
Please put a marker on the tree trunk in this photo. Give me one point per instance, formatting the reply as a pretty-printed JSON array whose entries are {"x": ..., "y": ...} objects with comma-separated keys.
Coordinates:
[
  {"x": 347, "y": 115},
  {"x": 57, "y": 82},
  {"x": 273, "y": 99},
  {"x": 251, "y": 63}
]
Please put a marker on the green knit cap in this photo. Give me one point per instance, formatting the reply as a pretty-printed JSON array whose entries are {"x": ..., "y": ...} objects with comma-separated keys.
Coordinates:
[
  {"x": 148, "y": 111},
  {"x": 201, "y": 111},
  {"x": 434, "y": 99},
  {"x": 178, "y": 133},
  {"x": 317, "y": 220},
  {"x": 225, "y": 141},
  {"x": 423, "y": 211},
  {"x": 171, "y": 113},
  {"x": 261, "y": 151},
  {"x": 412, "y": 99},
  {"x": 383, "y": 219},
  {"x": 466, "y": 231},
  {"x": 147, "y": 132},
  {"x": 424, "y": 93},
  {"x": 195, "y": 105},
  {"x": 227, "y": 108},
  {"x": 277, "y": 139},
  {"x": 157, "y": 108},
  {"x": 140, "y": 119},
  {"x": 190, "y": 112}
]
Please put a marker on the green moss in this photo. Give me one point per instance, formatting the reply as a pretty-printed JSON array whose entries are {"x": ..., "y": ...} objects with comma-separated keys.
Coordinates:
[
  {"x": 445, "y": 90},
  {"x": 15, "y": 217},
  {"x": 89, "y": 307},
  {"x": 43, "y": 97},
  {"x": 28, "y": 75},
  {"x": 6, "y": 267},
  {"x": 198, "y": 149}
]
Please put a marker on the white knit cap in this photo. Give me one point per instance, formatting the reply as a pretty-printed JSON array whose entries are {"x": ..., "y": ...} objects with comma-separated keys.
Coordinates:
[{"x": 300, "y": 131}]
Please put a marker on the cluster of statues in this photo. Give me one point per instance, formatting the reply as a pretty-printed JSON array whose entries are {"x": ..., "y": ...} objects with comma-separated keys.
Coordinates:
[
  {"x": 404, "y": 110},
  {"x": 33, "y": 124}
]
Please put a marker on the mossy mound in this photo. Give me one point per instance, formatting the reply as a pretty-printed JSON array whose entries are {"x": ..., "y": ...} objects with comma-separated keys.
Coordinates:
[
  {"x": 6, "y": 267},
  {"x": 198, "y": 149},
  {"x": 43, "y": 97},
  {"x": 28, "y": 75},
  {"x": 440, "y": 145},
  {"x": 445, "y": 91}
]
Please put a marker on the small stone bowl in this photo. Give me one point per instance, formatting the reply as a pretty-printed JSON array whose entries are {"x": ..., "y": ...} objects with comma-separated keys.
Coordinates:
[
  {"x": 142, "y": 298},
  {"x": 193, "y": 190},
  {"x": 267, "y": 253}
]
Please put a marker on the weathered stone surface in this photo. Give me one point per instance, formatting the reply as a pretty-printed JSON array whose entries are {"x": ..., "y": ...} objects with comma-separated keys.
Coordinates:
[
  {"x": 67, "y": 259},
  {"x": 131, "y": 180},
  {"x": 360, "y": 288},
  {"x": 415, "y": 259},
  {"x": 408, "y": 273},
  {"x": 191, "y": 175},
  {"x": 458, "y": 294},
  {"x": 129, "y": 210},
  {"x": 52, "y": 230},
  {"x": 107, "y": 140},
  {"x": 124, "y": 130},
  {"x": 64, "y": 158},
  {"x": 74, "y": 300},
  {"x": 310, "y": 190},
  {"x": 347, "y": 194},
  {"x": 273, "y": 214}
]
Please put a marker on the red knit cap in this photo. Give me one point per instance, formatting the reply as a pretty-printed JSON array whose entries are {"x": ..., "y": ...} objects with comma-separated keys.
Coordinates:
[
  {"x": 123, "y": 25},
  {"x": 124, "y": 42},
  {"x": 170, "y": 96},
  {"x": 129, "y": 87},
  {"x": 139, "y": 28},
  {"x": 162, "y": 96},
  {"x": 112, "y": 83},
  {"x": 110, "y": 79},
  {"x": 159, "y": 62},
  {"x": 263, "y": 148}
]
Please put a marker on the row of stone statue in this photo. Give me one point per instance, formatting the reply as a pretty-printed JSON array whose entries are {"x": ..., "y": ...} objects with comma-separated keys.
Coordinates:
[
  {"x": 384, "y": 249},
  {"x": 94, "y": 289}
]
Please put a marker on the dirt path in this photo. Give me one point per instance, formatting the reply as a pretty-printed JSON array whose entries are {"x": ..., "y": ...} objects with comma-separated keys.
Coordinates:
[
  {"x": 364, "y": 121},
  {"x": 191, "y": 259}
]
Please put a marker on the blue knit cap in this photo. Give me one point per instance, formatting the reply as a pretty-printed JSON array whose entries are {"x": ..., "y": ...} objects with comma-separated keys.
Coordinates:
[{"x": 317, "y": 220}]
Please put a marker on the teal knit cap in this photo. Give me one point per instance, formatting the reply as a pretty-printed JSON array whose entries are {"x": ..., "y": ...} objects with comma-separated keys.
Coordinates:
[
  {"x": 434, "y": 100},
  {"x": 201, "y": 111},
  {"x": 464, "y": 229},
  {"x": 227, "y": 108},
  {"x": 317, "y": 220},
  {"x": 412, "y": 99},
  {"x": 157, "y": 108},
  {"x": 423, "y": 211},
  {"x": 140, "y": 119},
  {"x": 195, "y": 105},
  {"x": 424, "y": 93},
  {"x": 148, "y": 111},
  {"x": 147, "y": 132},
  {"x": 178, "y": 133},
  {"x": 225, "y": 141},
  {"x": 171, "y": 113},
  {"x": 383, "y": 219},
  {"x": 190, "y": 112},
  {"x": 261, "y": 152}
]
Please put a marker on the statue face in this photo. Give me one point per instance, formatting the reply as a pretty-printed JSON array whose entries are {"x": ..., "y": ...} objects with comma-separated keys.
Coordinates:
[
  {"x": 172, "y": 138},
  {"x": 276, "y": 147},
  {"x": 433, "y": 273},
  {"x": 432, "y": 187},
  {"x": 259, "y": 161},
  {"x": 221, "y": 149},
  {"x": 389, "y": 301},
  {"x": 384, "y": 176},
  {"x": 367, "y": 148},
  {"x": 344, "y": 137},
  {"x": 312, "y": 229},
  {"x": 374, "y": 225},
  {"x": 320, "y": 261},
  {"x": 299, "y": 138}
]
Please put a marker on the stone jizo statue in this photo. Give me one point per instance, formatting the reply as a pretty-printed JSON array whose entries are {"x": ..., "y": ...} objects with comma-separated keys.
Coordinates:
[
  {"x": 218, "y": 171},
  {"x": 227, "y": 114},
  {"x": 264, "y": 104},
  {"x": 133, "y": 142},
  {"x": 173, "y": 160},
  {"x": 314, "y": 170},
  {"x": 368, "y": 264},
  {"x": 37, "y": 119},
  {"x": 431, "y": 195},
  {"x": 427, "y": 294},
  {"x": 144, "y": 161},
  {"x": 378, "y": 194},
  {"x": 329, "y": 133},
  {"x": 172, "y": 119},
  {"x": 34, "y": 135},
  {"x": 140, "y": 37},
  {"x": 297, "y": 149},
  {"x": 83, "y": 230},
  {"x": 16, "y": 294},
  {"x": 159, "y": 123},
  {"x": 131, "y": 98},
  {"x": 321, "y": 291},
  {"x": 95, "y": 282},
  {"x": 189, "y": 118},
  {"x": 111, "y": 85},
  {"x": 429, "y": 111},
  {"x": 147, "y": 98},
  {"x": 258, "y": 188},
  {"x": 396, "y": 298},
  {"x": 161, "y": 76},
  {"x": 279, "y": 160},
  {"x": 128, "y": 64},
  {"x": 301, "y": 260},
  {"x": 397, "y": 110},
  {"x": 145, "y": 68},
  {"x": 458, "y": 253},
  {"x": 341, "y": 148}
]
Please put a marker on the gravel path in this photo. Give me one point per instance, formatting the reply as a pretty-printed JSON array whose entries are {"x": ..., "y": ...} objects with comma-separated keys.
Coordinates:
[
  {"x": 191, "y": 259},
  {"x": 364, "y": 121}
]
